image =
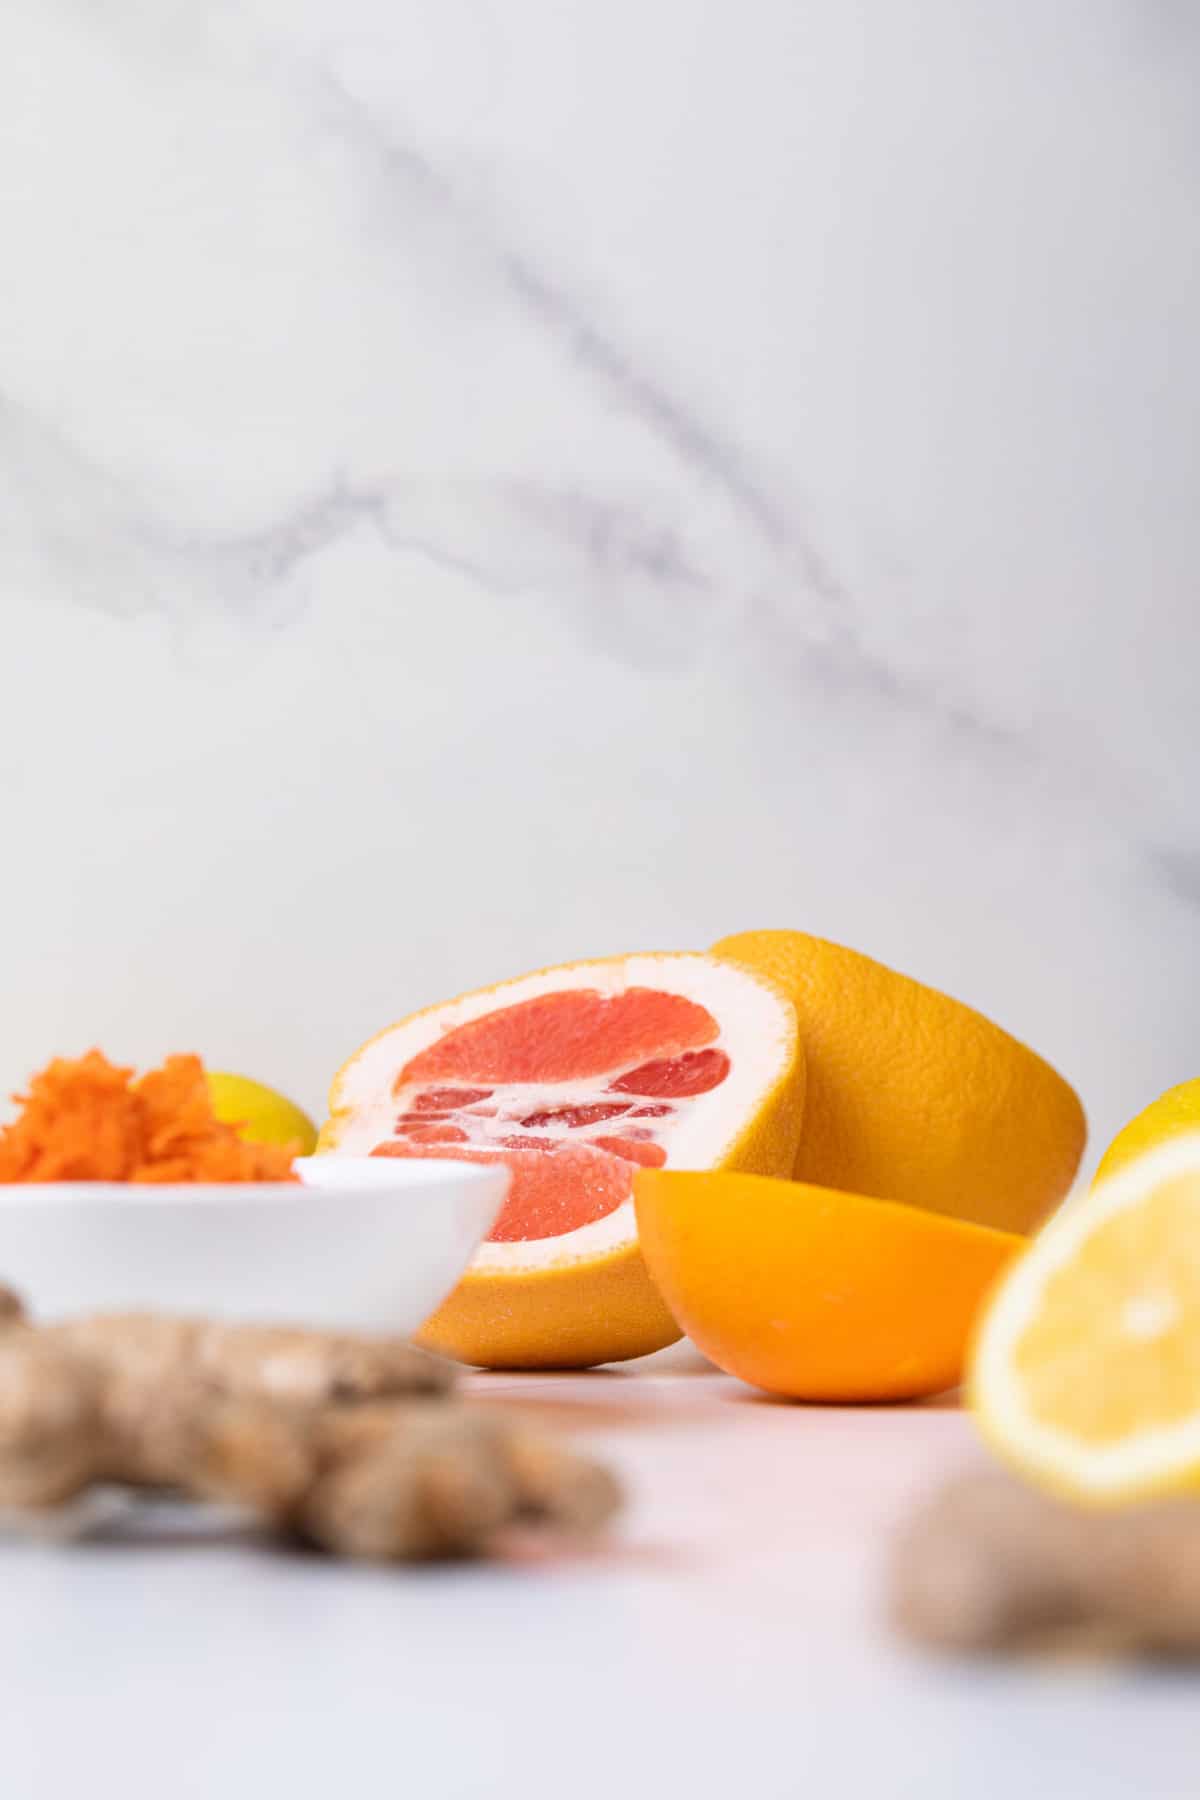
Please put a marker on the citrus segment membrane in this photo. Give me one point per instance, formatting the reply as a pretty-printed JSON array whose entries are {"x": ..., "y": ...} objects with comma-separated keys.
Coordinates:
[{"x": 559, "y": 1081}]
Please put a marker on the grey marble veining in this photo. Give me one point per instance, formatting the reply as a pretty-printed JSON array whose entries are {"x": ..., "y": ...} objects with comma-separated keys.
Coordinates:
[{"x": 481, "y": 484}]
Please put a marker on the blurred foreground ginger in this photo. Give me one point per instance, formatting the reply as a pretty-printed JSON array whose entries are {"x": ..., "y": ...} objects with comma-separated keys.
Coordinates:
[
  {"x": 350, "y": 1443},
  {"x": 991, "y": 1565}
]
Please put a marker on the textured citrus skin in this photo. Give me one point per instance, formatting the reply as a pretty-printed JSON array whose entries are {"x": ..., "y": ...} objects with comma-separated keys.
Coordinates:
[
  {"x": 264, "y": 1116},
  {"x": 606, "y": 1308},
  {"x": 915, "y": 1097},
  {"x": 1172, "y": 1115},
  {"x": 813, "y": 1293}
]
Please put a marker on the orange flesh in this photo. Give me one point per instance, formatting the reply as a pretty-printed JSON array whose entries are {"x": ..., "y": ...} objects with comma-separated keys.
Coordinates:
[{"x": 620, "y": 1069}]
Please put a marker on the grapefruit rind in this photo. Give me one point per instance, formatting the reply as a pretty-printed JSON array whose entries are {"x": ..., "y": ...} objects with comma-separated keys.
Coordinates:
[
  {"x": 564, "y": 1317},
  {"x": 913, "y": 1095}
]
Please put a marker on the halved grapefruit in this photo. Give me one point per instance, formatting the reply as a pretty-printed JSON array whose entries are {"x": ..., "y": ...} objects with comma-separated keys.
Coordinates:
[{"x": 575, "y": 1077}]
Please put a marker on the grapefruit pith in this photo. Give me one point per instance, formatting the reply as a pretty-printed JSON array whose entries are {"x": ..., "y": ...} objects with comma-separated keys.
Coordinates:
[{"x": 575, "y": 1077}]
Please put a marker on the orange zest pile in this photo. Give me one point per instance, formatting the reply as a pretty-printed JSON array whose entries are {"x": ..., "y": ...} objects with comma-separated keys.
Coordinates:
[{"x": 89, "y": 1120}]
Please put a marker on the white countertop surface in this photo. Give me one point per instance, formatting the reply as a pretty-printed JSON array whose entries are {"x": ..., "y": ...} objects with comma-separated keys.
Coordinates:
[{"x": 727, "y": 1642}]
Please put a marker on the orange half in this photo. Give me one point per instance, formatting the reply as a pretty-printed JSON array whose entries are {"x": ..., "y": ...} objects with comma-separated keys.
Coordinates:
[{"x": 816, "y": 1294}]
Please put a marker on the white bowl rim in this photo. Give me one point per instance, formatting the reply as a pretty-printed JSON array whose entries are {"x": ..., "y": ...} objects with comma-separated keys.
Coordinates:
[{"x": 388, "y": 1174}]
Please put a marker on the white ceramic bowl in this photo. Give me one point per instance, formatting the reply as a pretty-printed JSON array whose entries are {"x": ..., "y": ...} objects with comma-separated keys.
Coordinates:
[{"x": 362, "y": 1244}]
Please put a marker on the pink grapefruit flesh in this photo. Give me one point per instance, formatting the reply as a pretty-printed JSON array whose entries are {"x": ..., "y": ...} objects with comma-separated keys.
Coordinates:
[
  {"x": 565, "y": 1036},
  {"x": 555, "y": 1189},
  {"x": 575, "y": 1077},
  {"x": 571, "y": 1153}
]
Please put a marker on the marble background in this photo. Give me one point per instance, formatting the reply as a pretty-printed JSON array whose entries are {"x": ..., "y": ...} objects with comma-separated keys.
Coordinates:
[{"x": 485, "y": 481}]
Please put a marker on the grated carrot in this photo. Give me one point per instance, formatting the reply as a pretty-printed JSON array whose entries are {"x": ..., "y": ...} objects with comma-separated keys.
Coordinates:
[{"x": 88, "y": 1119}]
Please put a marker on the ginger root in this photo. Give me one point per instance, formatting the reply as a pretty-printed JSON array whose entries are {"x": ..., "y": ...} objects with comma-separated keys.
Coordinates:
[
  {"x": 141, "y": 1351},
  {"x": 50, "y": 1429},
  {"x": 349, "y": 1443},
  {"x": 991, "y": 1564}
]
